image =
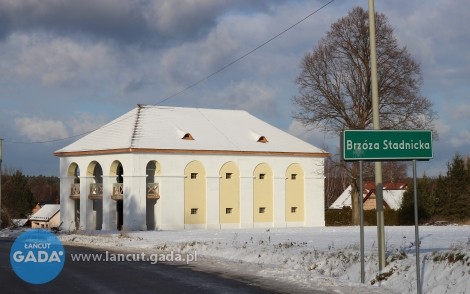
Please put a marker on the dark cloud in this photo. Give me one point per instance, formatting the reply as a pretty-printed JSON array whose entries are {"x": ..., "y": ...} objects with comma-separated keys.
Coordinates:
[{"x": 147, "y": 22}]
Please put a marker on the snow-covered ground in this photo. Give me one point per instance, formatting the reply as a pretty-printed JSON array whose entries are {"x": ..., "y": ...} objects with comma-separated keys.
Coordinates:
[{"x": 314, "y": 258}]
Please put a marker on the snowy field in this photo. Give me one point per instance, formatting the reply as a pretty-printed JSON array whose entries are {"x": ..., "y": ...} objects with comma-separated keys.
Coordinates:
[{"x": 313, "y": 258}]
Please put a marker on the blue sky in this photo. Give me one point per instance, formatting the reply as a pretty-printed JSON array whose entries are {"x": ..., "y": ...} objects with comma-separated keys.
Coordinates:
[{"x": 68, "y": 67}]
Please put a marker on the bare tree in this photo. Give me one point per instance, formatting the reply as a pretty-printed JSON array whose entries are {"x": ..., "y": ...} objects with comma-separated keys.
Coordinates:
[
  {"x": 336, "y": 180},
  {"x": 335, "y": 83}
]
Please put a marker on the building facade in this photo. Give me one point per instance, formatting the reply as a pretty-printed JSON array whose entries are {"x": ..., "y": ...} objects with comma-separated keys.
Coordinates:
[
  {"x": 182, "y": 168},
  {"x": 48, "y": 216}
]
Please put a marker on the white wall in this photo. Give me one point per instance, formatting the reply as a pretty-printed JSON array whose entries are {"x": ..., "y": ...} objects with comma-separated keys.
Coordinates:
[{"x": 170, "y": 206}]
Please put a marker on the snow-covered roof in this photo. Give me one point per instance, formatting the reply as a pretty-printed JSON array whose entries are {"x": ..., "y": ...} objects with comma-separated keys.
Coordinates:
[
  {"x": 153, "y": 128},
  {"x": 46, "y": 212},
  {"x": 392, "y": 198},
  {"x": 343, "y": 200},
  {"x": 19, "y": 222}
]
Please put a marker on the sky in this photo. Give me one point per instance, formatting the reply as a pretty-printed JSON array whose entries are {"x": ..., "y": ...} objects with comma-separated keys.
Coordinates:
[{"x": 68, "y": 67}]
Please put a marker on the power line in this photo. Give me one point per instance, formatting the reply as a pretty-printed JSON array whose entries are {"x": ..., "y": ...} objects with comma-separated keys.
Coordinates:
[
  {"x": 193, "y": 84},
  {"x": 243, "y": 56}
]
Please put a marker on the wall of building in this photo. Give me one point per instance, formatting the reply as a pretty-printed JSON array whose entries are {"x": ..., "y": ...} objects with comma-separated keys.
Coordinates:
[
  {"x": 277, "y": 192},
  {"x": 54, "y": 222}
]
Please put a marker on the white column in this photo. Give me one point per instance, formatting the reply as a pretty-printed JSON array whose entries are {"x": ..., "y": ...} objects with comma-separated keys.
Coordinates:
[
  {"x": 67, "y": 205},
  {"x": 109, "y": 205},
  {"x": 134, "y": 202},
  {"x": 279, "y": 201},
  {"x": 212, "y": 202},
  {"x": 246, "y": 202},
  {"x": 86, "y": 205}
]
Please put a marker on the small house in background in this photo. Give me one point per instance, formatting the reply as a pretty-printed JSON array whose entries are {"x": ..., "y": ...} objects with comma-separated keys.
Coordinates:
[
  {"x": 46, "y": 217},
  {"x": 392, "y": 196}
]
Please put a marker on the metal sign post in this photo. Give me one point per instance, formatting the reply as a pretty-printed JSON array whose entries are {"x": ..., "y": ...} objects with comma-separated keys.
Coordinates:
[
  {"x": 361, "y": 229},
  {"x": 387, "y": 145},
  {"x": 1, "y": 141},
  {"x": 415, "y": 197}
]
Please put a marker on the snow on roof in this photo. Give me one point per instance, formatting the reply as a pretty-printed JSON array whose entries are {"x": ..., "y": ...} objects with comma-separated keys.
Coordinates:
[
  {"x": 393, "y": 198},
  {"x": 343, "y": 200},
  {"x": 46, "y": 212},
  {"x": 19, "y": 222},
  {"x": 163, "y": 128}
]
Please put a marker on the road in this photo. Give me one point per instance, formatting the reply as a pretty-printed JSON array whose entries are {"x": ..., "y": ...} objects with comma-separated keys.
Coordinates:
[{"x": 128, "y": 277}]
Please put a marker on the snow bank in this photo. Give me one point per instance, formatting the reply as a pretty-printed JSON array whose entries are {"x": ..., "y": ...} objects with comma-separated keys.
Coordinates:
[{"x": 315, "y": 258}]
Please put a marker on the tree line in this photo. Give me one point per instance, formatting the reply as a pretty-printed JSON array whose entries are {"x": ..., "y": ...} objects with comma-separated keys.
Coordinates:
[
  {"x": 446, "y": 197},
  {"x": 20, "y": 193},
  {"x": 442, "y": 198}
]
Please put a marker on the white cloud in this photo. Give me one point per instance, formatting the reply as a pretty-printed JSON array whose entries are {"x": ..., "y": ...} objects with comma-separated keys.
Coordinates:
[
  {"x": 441, "y": 127},
  {"x": 82, "y": 122},
  {"x": 37, "y": 129},
  {"x": 462, "y": 112},
  {"x": 461, "y": 139},
  {"x": 249, "y": 96},
  {"x": 53, "y": 60},
  {"x": 313, "y": 136}
]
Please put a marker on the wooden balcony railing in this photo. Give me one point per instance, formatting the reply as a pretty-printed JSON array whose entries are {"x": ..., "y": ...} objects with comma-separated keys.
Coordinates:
[
  {"x": 96, "y": 191},
  {"x": 75, "y": 191},
  {"x": 118, "y": 191},
  {"x": 153, "y": 191}
]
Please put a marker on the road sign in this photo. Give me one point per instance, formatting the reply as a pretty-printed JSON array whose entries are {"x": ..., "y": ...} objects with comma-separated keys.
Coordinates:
[{"x": 382, "y": 145}]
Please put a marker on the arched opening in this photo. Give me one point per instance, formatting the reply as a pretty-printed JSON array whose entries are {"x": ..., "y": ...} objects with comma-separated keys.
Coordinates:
[
  {"x": 117, "y": 171},
  {"x": 74, "y": 172},
  {"x": 263, "y": 193},
  {"x": 194, "y": 193},
  {"x": 153, "y": 170},
  {"x": 95, "y": 175},
  {"x": 229, "y": 193},
  {"x": 294, "y": 193}
]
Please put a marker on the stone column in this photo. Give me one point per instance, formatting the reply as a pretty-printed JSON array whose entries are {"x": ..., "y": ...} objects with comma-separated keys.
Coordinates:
[
  {"x": 109, "y": 205},
  {"x": 86, "y": 205},
  {"x": 67, "y": 205},
  {"x": 134, "y": 202}
]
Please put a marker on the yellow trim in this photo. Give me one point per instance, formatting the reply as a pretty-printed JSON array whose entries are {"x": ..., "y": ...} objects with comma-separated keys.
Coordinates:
[
  {"x": 263, "y": 194},
  {"x": 191, "y": 151},
  {"x": 195, "y": 193},
  {"x": 229, "y": 193}
]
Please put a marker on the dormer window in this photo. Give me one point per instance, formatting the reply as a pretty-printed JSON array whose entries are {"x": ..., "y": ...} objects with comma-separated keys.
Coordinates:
[
  {"x": 187, "y": 136},
  {"x": 262, "y": 139}
]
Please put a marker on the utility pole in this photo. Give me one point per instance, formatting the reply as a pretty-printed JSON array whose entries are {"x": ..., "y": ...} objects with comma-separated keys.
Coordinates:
[
  {"x": 1, "y": 141},
  {"x": 378, "y": 164}
]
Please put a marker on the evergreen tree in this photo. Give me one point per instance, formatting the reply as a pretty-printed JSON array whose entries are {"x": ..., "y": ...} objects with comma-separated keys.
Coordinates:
[
  {"x": 426, "y": 201},
  {"x": 457, "y": 188},
  {"x": 17, "y": 198},
  {"x": 440, "y": 195}
]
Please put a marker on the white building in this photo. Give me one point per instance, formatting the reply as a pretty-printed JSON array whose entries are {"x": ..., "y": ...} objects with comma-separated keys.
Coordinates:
[
  {"x": 392, "y": 196},
  {"x": 46, "y": 217},
  {"x": 174, "y": 168}
]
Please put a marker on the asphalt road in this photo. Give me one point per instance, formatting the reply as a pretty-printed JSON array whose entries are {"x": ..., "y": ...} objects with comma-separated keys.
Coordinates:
[{"x": 127, "y": 277}]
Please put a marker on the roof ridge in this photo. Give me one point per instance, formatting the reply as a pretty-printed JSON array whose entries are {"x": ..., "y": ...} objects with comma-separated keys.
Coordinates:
[{"x": 135, "y": 130}]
